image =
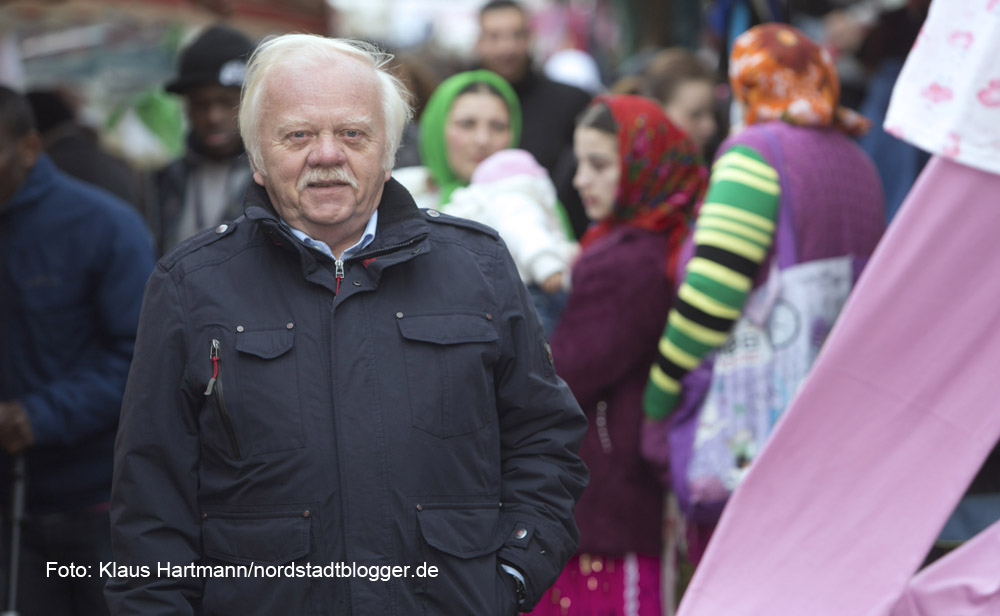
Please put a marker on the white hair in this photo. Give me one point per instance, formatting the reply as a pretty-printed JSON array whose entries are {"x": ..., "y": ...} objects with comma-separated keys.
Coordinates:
[{"x": 278, "y": 51}]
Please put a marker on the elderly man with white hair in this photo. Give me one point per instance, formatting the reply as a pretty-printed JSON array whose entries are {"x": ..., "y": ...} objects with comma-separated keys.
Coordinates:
[{"x": 339, "y": 403}]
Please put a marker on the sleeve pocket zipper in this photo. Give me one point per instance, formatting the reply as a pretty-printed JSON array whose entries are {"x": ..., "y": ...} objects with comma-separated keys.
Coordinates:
[{"x": 215, "y": 387}]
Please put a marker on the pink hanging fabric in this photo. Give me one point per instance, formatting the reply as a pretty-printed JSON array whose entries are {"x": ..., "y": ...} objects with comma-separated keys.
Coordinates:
[
  {"x": 965, "y": 582},
  {"x": 901, "y": 408}
]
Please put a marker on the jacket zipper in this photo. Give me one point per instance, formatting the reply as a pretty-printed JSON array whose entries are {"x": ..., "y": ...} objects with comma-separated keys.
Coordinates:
[
  {"x": 215, "y": 387},
  {"x": 385, "y": 249},
  {"x": 364, "y": 255},
  {"x": 339, "y": 263}
]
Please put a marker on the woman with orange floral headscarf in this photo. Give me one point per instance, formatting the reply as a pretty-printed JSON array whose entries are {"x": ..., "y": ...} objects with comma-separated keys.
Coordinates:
[
  {"x": 795, "y": 152},
  {"x": 639, "y": 178}
]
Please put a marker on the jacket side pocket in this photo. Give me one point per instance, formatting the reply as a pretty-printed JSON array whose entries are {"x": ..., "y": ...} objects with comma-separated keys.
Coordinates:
[{"x": 462, "y": 541}]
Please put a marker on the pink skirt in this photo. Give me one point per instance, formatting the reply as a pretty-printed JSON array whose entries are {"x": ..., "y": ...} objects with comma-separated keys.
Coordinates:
[{"x": 598, "y": 586}]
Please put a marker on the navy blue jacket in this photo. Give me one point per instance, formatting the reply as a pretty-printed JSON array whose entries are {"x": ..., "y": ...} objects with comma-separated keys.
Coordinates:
[
  {"x": 405, "y": 413},
  {"x": 73, "y": 262}
]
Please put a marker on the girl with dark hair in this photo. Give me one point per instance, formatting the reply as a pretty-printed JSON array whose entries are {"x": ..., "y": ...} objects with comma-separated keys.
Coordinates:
[
  {"x": 640, "y": 178},
  {"x": 685, "y": 86}
]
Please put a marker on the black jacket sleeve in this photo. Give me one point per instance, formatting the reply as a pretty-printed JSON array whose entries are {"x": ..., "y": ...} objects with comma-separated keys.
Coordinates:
[
  {"x": 154, "y": 513},
  {"x": 541, "y": 428}
]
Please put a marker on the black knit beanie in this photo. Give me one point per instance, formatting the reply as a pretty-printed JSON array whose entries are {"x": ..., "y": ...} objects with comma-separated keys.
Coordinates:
[{"x": 217, "y": 57}]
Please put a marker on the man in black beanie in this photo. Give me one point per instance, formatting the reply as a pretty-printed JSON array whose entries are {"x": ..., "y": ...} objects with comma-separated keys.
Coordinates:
[{"x": 205, "y": 186}]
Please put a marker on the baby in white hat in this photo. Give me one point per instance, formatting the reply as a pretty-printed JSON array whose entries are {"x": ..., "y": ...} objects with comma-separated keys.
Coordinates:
[{"x": 512, "y": 193}]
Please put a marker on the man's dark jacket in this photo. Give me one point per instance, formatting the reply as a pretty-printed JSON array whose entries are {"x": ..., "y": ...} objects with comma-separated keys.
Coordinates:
[
  {"x": 550, "y": 110},
  {"x": 402, "y": 414},
  {"x": 168, "y": 193},
  {"x": 73, "y": 262}
]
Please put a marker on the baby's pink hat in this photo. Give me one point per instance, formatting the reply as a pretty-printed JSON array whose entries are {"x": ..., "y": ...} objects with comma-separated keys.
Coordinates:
[{"x": 507, "y": 163}]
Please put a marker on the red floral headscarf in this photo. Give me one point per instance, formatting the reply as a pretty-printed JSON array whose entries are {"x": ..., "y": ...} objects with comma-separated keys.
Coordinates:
[
  {"x": 663, "y": 176},
  {"x": 779, "y": 74}
]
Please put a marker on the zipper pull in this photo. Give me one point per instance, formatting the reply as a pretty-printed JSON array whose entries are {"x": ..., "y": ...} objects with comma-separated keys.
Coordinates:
[
  {"x": 339, "y": 264},
  {"x": 214, "y": 354}
]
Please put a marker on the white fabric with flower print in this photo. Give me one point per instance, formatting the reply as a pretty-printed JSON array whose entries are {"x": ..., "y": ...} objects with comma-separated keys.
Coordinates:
[{"x": 947, "y": 98}]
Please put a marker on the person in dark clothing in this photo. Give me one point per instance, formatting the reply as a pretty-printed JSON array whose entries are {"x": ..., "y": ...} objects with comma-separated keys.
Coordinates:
[
  {"x": 74, "y": 149},
  {"x": 206, "y": 185},
  {"x": 883, "y": 53},
  {"x": 550, "y": 109},
  {"x": 339, "y": 385},
  {"x": 73, "y": 262}
]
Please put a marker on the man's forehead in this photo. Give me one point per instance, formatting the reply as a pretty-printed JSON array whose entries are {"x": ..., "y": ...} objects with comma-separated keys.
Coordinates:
[
  {"x": 504, "y": 18},
  {"x": 353, "y": 71}
]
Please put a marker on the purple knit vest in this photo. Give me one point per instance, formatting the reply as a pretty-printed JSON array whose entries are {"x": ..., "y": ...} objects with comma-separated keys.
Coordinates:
[{"x": 836, "y": 195}]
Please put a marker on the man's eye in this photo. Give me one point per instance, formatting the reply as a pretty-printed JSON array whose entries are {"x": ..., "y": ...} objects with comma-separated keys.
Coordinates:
[
  {"x": 298, "y": 134},
  {"x": 352, "y": 134}
]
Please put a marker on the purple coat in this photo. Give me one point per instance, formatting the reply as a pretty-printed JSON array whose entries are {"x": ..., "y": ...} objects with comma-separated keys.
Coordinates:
[{"x": 603, "y": 347}]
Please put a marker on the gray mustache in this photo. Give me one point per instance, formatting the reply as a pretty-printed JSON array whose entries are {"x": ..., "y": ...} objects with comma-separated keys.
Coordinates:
[{"x": 327, "y": 174}]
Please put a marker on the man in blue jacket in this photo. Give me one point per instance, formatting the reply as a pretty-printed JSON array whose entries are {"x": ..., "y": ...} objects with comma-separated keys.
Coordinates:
[
  {"x": 340, "y": 404},
  {"x": 73, "y": 262}
]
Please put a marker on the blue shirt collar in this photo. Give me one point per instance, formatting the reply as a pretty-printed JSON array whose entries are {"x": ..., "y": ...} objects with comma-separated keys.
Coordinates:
[{"x": 366, "y": 238}]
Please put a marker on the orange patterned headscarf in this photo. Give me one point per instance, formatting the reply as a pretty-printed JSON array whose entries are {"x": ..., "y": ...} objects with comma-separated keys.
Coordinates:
[{"x": 778, "y": 73}]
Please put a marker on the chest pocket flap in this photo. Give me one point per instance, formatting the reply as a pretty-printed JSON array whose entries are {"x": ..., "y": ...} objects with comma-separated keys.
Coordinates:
[
  {"x": 265, "y": 344},
  {"x": 447, "y": 328}
]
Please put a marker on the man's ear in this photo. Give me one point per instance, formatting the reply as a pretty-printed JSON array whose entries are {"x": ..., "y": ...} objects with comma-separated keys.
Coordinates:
[
  {"x": 258, "y": 177},
  {"x": 29, "y": 148},
  {"x": 388, "y": 174}
]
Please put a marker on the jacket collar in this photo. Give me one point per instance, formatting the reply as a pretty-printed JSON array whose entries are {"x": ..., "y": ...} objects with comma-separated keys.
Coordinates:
[{"x": 37, "y": 183}]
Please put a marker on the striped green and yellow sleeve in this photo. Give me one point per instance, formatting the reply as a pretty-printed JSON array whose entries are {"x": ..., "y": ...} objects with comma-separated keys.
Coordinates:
[{"x": 732, "y": 236}]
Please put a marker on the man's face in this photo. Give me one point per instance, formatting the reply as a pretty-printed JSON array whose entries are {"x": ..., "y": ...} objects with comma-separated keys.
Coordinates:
[
  {"x": 212, "y": 111},
  {"x": 17, "y": 157},
  {"x": 322, "y": 146},
  {"x": 504, "y": 43}
]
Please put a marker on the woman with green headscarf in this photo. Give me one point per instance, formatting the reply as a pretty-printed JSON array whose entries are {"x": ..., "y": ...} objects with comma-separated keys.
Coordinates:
[{"x": 470, "y": 116}]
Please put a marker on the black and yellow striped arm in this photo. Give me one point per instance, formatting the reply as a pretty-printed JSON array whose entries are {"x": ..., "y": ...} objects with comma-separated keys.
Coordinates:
[{"x": 732, "y": 236}]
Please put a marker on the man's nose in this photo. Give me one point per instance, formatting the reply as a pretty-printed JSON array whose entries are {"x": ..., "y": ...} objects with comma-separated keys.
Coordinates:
[
  {"x": 509, "y": 44},
  {"x": 219, "y": 113},
  {"x": 326, "y": 152}
]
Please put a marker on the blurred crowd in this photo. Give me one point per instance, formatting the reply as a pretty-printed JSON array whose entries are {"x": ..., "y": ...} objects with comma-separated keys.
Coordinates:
[{"x": 644, "y": 205}]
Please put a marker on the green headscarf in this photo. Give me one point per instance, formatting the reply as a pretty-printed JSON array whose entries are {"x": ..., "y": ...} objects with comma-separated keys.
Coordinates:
[{"x": 433, "y": 149}]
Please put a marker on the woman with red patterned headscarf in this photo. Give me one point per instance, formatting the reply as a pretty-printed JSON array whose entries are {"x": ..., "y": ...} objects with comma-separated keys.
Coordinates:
[{"x": 640, "y": 178}]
